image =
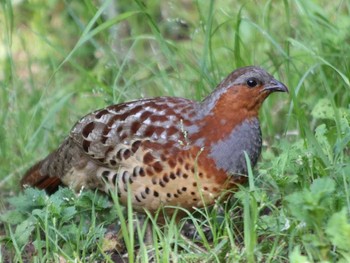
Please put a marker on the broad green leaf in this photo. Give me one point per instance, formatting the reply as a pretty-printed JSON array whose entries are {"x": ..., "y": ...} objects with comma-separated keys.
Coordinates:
[{"x": 338, "y": 230}]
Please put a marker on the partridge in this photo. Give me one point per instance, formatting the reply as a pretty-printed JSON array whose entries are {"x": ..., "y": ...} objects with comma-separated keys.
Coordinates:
[{"x": 164, "y": 151}]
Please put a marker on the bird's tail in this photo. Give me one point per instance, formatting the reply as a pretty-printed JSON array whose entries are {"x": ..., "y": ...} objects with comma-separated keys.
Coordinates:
[{"x": 35, "y": 177}]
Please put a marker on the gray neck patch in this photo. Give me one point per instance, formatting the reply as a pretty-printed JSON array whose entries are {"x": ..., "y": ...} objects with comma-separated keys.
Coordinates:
[{"x": 228, "y": 154}]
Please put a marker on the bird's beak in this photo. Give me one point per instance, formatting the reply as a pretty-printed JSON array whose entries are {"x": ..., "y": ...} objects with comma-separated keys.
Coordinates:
[{"x": 275, "y": 85}]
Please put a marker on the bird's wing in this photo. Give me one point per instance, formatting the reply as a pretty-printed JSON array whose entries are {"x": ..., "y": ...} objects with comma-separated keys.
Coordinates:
[{"x": 109, "y": 134}]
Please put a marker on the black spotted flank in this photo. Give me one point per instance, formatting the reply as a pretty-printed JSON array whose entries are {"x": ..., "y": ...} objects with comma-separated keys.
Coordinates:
[
  {"x": 143, "y": 195},
  {"x": 147, "y": 190},
  {"x": 138, "y": 171},
  {"x": 137, "y": 199},
  {"x": 135, "y": 173},
  {"x": 135, "y": 146},
  {"x": 126, "y": 154},
  {"x": 166, "y": 179},
  {"x": 115, "y": 177},
  {"x": 178, "y": 172},
  {"x": 118, "y": 156},
  {"x": 102, "y": 160},
  {"x": 105, "y": 174},
  {"x": 86, "y": 145},
  {"x": 156, "y": 194},
  {"x": 124, "y": 176},
  {"x": 172, "y": 176},
  {"x": 142, "y": 172}
]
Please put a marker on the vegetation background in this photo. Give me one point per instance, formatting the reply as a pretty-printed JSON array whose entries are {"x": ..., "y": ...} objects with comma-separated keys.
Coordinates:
[{"x": 62, "y": 59}]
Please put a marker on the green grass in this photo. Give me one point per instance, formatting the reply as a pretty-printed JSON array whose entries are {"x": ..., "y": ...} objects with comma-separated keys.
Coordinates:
[{"x": 62, "y": 59}]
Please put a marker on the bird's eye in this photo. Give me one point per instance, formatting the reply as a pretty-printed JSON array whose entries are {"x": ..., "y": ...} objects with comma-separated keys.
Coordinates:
[{"x": 252, "y": 82}]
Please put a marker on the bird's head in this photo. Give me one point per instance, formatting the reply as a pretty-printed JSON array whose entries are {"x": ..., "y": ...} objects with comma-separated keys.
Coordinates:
[
  {"x": 245, "y": 89},
  {"x": 253, "y": 79}
]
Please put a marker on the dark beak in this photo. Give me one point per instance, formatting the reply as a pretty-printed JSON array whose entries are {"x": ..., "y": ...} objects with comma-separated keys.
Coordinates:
[{"x": 275, "y": 85}]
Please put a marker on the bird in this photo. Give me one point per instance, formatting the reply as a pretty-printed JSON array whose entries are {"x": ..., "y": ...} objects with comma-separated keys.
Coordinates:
[{"x": 164, "y": 151}]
